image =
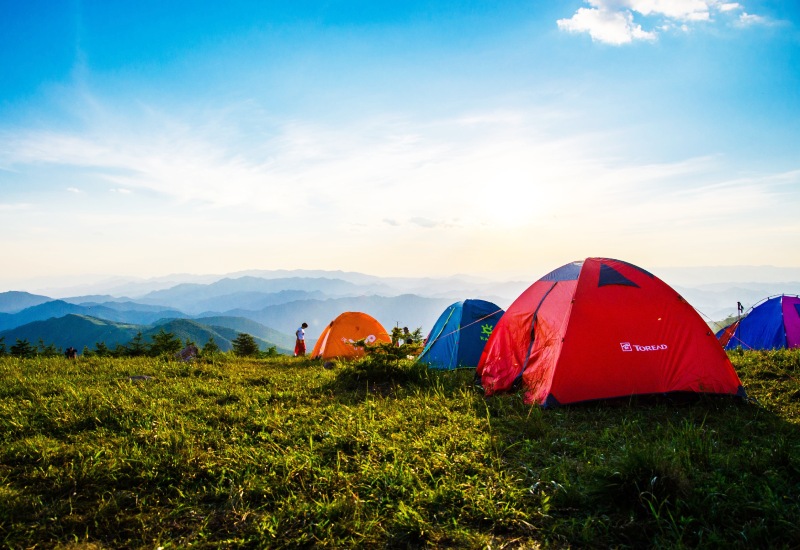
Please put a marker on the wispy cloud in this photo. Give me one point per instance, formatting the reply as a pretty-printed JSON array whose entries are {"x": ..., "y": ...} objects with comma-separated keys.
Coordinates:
[
  {"x": 425, "y": 222},
  {"x": 730, "y": 6},
  {"x": 481, "y": 175},
  {"x": 748, "y": 19},
  {"x": 488, "y": 168},
  {"x": 7, "y": 207},
  {"x": 619, "y": 22}
]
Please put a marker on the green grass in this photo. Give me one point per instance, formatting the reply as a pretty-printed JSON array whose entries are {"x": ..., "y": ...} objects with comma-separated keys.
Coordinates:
[{"x": 285, "y": 453}]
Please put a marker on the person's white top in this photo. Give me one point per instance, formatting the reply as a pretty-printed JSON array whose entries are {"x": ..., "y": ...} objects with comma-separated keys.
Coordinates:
[{"x": 301, "y": 334}]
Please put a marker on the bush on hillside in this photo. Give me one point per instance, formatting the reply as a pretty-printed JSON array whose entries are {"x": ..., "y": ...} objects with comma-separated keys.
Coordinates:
[
  {"x": 22, "y": 348},
  {"x": 164, "y": 343},
  {"x": 211, "y": 348},
  {"x": 245, "y": 345},
  {"x": 381, "y": 372}
]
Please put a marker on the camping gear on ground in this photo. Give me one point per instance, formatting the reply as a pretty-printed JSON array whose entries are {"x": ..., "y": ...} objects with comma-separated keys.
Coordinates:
[
  {"x": 771, "y": 324},
  {"x": 459, "y": 335},
  {"x": 336, "y": 340},
  {"x": 603, "y": 328}
]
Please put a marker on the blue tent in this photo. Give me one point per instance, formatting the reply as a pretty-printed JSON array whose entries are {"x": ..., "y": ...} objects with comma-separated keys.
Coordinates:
[
  {"x": 459, "y": 335},
  {"x": 772, "y": 324}
]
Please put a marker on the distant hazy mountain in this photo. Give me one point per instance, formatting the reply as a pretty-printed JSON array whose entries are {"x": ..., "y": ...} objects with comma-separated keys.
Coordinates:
[
  {"x": 406, "y": 310},
  {"x": 138, "y": 315},
  {"x": 196, "y": 298},
  {"x": 96, "y": 299},
  {"x": 14, "y": 301},
  {"x": 718, "y": 301},
  {"x": 129, "y": 306},
  {"x": 741, "y": 275},
  {"x": 252, "y": 300},
  {"x": 118, "y": 286}
]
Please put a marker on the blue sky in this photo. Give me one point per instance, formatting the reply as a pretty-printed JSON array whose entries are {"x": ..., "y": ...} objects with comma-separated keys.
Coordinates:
[{"x": 501, "y": 139}]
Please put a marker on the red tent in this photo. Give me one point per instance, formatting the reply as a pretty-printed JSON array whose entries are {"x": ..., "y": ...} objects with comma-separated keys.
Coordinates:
[
  {"x": 724, "y": 336},
  {"x": 603, "y": 328}
]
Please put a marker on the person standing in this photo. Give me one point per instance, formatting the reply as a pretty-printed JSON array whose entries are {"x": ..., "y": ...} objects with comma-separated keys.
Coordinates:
[{"x": 300, "y": 342}]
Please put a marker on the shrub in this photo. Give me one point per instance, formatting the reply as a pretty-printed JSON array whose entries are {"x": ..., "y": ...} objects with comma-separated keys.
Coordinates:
[{"x": 245, "y": 345}]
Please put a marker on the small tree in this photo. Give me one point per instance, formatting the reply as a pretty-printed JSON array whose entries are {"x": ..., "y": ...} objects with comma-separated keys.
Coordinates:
[
  {"x": 164, "y": 343},
  {"x": 101, "y": 350},
  {"x": 211, "y": 347},
  {"x": 121, "y": 350},
  {"x": 23, "y": 349},
  {"x": 137, "y": 347},
  {"x": 245, "y": 345},
  {"x": 3, "y": 350},
  {"x": 47, "y": 350},
  {"x": 400, "y": 334},
  {"x": 272, "y": 351}
]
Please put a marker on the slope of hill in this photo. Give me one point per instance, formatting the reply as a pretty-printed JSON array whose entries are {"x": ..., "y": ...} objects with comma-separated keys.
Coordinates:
[
  {"x": 41, "y": 312},
  {"x": 78, "y": 331},
  {"x": 187, "y": 329},
  {"x": 81, "y": 331},
  {"x": 14, "y": 301},
  {"x": 253, "y": 328}
]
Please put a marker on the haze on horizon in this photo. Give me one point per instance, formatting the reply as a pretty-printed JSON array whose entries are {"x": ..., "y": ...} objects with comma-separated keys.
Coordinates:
[{"x": 415, "y": 139}]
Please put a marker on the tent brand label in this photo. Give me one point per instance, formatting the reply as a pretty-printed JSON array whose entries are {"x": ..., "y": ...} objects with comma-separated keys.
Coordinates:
[
  {"x": 627, "y": 346},
  {"x": 369, "y": 339}
]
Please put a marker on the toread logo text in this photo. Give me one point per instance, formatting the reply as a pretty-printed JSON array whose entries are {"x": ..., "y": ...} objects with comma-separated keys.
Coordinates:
[{"x": 627, "y": 346}]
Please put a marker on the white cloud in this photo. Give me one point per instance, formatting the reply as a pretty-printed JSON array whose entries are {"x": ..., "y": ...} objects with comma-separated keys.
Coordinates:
[
  {"x": 74, "y": 190},
  {"x": 615, "y": 21},
  {"x": 121, "y": 191},
  {"x": 603, "y": 25},
  {"x": 747, "y": 19}
]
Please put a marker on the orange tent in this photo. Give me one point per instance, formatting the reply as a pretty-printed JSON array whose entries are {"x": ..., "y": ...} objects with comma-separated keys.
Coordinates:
[{"x": 337, "y": 338}]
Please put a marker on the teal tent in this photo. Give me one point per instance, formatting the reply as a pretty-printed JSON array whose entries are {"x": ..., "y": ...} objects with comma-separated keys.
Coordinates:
[{"x": 459, "y": 335}]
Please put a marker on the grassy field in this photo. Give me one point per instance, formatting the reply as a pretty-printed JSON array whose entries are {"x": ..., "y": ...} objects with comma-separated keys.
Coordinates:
[{"x": 285, "y": 453}]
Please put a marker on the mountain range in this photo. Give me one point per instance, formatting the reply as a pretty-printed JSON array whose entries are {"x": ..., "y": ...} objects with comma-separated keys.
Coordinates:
[
  {"x": 270, "y": 305},
  {"x": 80, "y": 331}
]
